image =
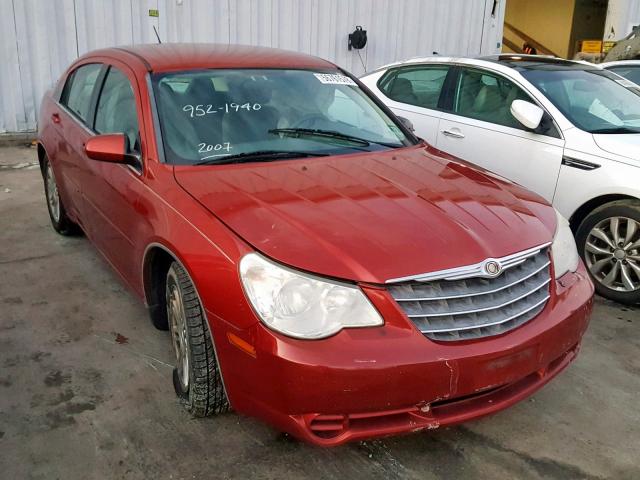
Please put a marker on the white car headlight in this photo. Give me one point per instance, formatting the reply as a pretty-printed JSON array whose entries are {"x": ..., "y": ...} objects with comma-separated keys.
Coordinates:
[
  {"x": 563, "y": 250},
  {"x": 301, "y": 305}
]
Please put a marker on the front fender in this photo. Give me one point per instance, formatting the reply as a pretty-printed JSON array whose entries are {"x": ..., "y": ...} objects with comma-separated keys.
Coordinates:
[
  {"x": 207, "y": 249},
  {"x": 577, "y": 187}
]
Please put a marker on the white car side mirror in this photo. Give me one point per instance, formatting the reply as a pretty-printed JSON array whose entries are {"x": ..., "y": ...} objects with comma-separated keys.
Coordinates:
[{"x": 527, "y": 113}]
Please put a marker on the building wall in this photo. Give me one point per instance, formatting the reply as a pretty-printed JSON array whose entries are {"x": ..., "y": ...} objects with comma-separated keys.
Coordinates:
[
  {"x": 547, "y": 21},
  {"x": 40, "y": 38},
  {"x": 622, "y": 16},
  {"x": 589, "y": 18}
]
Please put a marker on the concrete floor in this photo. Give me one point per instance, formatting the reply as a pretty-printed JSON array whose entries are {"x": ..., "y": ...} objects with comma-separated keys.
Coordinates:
[{"x": 86, "y": 393}]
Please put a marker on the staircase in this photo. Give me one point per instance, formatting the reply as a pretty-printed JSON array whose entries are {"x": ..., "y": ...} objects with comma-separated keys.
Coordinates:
[{"x": 541, "y": 49}]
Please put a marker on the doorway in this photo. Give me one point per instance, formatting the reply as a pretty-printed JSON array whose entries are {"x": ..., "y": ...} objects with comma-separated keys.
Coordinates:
[{"x": 554, "y": 27}]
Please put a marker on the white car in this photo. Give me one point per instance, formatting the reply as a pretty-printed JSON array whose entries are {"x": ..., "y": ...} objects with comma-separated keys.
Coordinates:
[
  {"x": 567, "y": 130},
  {"x": 629, "y": 69}
]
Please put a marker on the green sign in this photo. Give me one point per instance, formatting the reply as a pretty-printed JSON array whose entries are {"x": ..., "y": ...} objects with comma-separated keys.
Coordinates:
[{"x": 154, "y": 13}]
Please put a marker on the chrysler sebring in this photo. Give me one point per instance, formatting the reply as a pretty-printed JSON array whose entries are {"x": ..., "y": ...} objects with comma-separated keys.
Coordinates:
[{"x": 317, "y": 266}]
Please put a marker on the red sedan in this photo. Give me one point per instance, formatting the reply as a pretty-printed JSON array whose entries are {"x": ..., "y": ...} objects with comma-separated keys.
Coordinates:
[{"x": 317, "y": 265}]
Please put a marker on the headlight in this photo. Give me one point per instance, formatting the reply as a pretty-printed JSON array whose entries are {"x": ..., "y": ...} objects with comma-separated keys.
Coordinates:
[
  {"x": 301, "y": 305},
  {"x": 563, "y": 250}
]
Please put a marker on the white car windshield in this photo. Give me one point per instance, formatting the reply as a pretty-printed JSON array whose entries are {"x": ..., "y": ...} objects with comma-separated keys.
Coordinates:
[
  {"x": 220, "y": 116},
  {"x": 594, "y": 100}
]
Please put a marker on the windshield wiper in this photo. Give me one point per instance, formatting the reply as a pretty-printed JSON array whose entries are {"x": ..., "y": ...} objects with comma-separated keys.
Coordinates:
[
  {"x": 258, "y": 156},
  {"x": 314, "y": 132},
  {"x": 614, "y": 130}
]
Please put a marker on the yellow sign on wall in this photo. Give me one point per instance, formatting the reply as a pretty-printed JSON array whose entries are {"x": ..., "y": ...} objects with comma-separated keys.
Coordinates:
[
  {"x": 591, "y": 46},
  {"x": 608, "y": 45}
]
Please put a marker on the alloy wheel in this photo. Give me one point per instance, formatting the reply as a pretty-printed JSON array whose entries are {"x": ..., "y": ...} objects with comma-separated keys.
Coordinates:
[
  {"x": 53, "y": 199},
  {"x": 612, "y": 253},
  {"x": 179, "y": 334}
]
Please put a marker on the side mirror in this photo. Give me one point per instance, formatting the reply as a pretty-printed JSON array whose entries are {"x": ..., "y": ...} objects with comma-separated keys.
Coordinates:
[
  {"x": 527, "y": 113},
  {"x": 112, "y": 148},
  {"x": 407, "y": 123}
]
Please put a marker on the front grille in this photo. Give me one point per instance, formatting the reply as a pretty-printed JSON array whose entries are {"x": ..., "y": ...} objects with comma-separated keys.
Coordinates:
[{"x": 461, "y": 303}]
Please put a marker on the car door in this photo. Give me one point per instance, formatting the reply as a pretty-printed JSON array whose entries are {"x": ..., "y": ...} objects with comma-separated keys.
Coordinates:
[
  {"x": 112, "y": 191},
  {"x": 415, "y": 92},
  {"x": 71, "y": 122},
  {"x": 479, "y": 127}
]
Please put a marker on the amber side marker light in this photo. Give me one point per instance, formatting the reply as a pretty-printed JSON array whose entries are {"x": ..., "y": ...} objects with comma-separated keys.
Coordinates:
[{"x": 241, "y": 344}]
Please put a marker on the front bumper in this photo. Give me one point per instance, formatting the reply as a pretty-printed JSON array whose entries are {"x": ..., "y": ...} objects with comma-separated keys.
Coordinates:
[{"x": 372, "y": 382}]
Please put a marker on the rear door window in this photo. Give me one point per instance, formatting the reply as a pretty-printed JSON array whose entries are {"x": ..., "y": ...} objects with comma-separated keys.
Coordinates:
[
  {"x": 420, "y": 86},
  {"x": 78, "y": 90}
]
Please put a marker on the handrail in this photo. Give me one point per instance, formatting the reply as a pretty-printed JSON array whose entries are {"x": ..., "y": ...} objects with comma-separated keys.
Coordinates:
[
  {"x": 535, "y": 44},
  {"x": 511, "y": 45}
]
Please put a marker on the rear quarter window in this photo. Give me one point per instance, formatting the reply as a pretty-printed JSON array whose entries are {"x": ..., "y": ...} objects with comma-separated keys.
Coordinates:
[
  {"x": 420, "y": 86},
  {"x": 78, "y": 90}
]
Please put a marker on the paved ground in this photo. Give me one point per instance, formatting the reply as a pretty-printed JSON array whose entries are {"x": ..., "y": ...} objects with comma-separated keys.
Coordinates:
[{"x": 85, "y": 388}]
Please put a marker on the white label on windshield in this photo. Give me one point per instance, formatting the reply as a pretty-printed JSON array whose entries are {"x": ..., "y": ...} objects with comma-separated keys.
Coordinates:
[
  {"x": 334, "y": 79},
  {"x": 627, "y": 83}
]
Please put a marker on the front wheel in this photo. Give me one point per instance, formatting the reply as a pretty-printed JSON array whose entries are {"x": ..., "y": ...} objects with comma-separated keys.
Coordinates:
[
  {"x": 196, "y": 378},
  {"x": 609, "y": 242}
]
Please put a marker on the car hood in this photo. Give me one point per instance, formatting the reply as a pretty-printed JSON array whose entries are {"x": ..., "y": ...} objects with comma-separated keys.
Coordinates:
[
  {"x": 375, "y": 216},
  {"x": 626, "y": 145}
]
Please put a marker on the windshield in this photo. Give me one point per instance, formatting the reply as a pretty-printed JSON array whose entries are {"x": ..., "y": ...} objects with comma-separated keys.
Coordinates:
[
  {"x": 206, "y": 116},
  {"x": 593, "y": 100}
]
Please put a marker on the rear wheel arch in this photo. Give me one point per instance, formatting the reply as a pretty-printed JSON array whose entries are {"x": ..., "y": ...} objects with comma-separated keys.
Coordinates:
[
  {"x": 585, "y": 209},
  {"x": 42, "y": 154},
  {"x": 60, "y": 219}
]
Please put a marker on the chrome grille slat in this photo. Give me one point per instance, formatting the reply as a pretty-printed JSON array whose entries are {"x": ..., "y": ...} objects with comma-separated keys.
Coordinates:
[
  {"x": 491, "y": 323},
  {"x": 484, "y": 309},
  {"x": 473, "y": 307},
  {"x": 482, "y": 318},
  {"x": 471, "y": 271},
  {"x": 411, "y": 291},
  {"x": 473, "y": 294}
]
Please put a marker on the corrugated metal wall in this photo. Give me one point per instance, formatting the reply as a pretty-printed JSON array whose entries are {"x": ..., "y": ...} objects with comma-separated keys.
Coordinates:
[
  {"x": 622, "y": 16},
  {"x": 39, "y": 38}
]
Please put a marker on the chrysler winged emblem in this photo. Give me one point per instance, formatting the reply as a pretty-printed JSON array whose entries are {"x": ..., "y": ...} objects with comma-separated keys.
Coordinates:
[{"x": 492, "y": 268}]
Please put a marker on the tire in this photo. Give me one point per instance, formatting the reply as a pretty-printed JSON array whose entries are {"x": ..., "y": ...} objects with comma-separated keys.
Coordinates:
[
  {"x": 608, "y": 240},
  {"x": 59, "y": 219},
  {"x": 196, "y": 378}
]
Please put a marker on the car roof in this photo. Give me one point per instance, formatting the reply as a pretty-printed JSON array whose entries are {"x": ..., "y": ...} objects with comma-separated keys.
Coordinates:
[
  {"x": 538, "y": 62},
  {"x": 187, "y": 56},
  {"x": 501, "y": 62},
  {"x": 620, "y": 63}
]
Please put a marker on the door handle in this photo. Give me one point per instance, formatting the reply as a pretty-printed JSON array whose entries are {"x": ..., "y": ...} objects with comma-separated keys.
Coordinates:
[
  {"x": 55, "y": 117},
  {"x": 453, "y": 133}
]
